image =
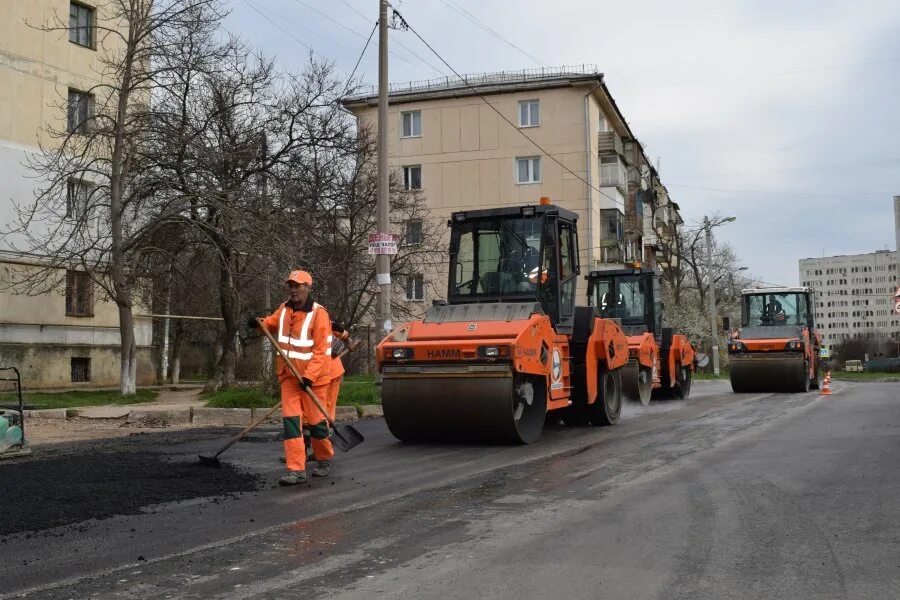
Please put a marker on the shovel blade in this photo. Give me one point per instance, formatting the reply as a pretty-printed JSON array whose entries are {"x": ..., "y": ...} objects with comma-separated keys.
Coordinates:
[
  {"x": 210, "y": 461},
  {"x": 346, "y": 437}
]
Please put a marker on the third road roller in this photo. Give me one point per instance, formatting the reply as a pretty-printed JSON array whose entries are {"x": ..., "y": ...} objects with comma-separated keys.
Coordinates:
[
  {"x": 778, "y": 346},
  {"x": 509, "y": 348}
]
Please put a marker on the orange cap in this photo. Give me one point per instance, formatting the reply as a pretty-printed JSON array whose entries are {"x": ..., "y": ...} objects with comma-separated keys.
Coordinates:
[{"x": 300, "y": 277}]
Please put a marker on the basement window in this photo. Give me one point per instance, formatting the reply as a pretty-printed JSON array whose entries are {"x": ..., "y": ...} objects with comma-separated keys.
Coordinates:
[{"x": 81, "y": 369}]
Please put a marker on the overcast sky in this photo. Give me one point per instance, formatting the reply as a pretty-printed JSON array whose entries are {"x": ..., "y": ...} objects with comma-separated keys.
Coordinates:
[{"x": 784, "y": 114}]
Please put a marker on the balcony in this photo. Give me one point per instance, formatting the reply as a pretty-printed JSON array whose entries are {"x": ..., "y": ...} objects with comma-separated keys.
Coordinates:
[{"x": 609, "y": 142}]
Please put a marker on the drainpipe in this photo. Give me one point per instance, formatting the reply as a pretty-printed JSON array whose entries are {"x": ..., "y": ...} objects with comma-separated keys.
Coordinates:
[{"x": 590, "y": 186}]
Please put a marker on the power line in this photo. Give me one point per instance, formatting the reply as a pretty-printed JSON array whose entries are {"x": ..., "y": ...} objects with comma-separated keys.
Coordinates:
[
  {"x": 500, "y": 114},
  {"x": 780, "y": 194},
  {"x": 359, "y": 35},
  {"x": 465, "y": 13}
]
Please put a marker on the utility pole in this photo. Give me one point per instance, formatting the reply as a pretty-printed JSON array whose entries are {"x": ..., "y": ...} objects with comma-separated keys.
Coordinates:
[
  {"x": 383, "y": 261},
  {"x": 711, "y": 295}
]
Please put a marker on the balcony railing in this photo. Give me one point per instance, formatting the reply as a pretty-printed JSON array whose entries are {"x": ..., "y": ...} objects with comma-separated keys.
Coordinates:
[{"x": 609, "y": 142}]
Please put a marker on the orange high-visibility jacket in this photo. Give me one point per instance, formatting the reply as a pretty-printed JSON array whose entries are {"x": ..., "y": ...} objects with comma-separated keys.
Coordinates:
[
  {"x": 337, "y": 367},
  {"x": 305, "y": 336}
]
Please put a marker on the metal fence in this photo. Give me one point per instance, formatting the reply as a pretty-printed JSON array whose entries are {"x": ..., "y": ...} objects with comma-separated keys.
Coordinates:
[{"x": 480, "y": 79}]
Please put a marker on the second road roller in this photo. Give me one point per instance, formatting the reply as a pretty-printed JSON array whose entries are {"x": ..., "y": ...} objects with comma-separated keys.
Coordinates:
[
  {"x": 661, "y": 362},
  {"x": 508, "y": 349},
  {"x": 777, "y": 348}
]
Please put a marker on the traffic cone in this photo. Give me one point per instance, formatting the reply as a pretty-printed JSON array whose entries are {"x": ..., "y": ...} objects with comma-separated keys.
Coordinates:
[{"x": 826, "y": 390}]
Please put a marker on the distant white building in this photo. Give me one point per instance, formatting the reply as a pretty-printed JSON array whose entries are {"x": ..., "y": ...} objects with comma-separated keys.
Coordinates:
[{"x": 853, "y": 294}]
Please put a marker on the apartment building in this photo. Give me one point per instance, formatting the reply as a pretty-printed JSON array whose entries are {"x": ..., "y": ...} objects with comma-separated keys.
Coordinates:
[
  {"x": 854, "y": 294},
  {"x": 510, "y": 138},
  {"x": 70, "y": 337}
]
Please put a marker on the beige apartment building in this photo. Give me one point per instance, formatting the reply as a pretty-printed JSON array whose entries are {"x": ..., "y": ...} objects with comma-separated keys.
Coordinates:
[
  {"x": 69, "y": 338},
  {"x": 461, "y": 143}
]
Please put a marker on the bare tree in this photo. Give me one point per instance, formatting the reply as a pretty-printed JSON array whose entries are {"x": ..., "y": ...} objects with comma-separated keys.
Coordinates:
[{"x": 90, "y": 210}]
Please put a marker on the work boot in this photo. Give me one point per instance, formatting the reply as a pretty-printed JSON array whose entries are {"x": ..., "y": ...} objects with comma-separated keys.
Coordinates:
[
  {"x": 323, "y": 467},
  {"x": 293, "y": 478}
]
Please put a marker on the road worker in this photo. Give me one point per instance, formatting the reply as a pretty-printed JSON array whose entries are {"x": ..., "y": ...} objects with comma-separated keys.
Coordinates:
[
  {"x": 340, "y": 344},
  {"x": 303, "y": 330}
]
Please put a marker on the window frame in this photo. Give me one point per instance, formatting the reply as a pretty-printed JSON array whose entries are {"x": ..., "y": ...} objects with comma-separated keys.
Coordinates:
[
  {"x": 75, "y": 207},
  {"x": 531, "y": 162},
  {"x": 91, "y": 26},
  {"x": 412, "y": 121},
  {"x": 529, "y": 103},
  {"x": 82, "y": 126},
  {"x": 407, "y": 239},
  {"x": 86, "y": 368},
  {"x": 407, "y": 176},
  {"x": 411, "y": 279},
  {"x": 75, "y": 280}
]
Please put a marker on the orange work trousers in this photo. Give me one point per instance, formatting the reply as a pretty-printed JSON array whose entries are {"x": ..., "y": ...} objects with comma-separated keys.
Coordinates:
[
  {"x": 334, "y": 388},
  {"x": 295, "y": 406}
]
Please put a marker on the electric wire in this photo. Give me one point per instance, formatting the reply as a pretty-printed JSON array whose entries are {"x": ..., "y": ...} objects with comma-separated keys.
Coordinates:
[
  {"x": 359, "y": 35},
  {"x": 472, "y": 18}
]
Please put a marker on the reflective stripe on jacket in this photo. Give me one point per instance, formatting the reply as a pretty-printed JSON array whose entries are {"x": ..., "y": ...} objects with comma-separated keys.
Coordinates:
[{"x": 304, "y": 334}]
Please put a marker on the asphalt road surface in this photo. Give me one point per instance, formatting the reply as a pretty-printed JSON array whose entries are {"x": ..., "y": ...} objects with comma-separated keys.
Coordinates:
[{"x": 720, "y": 496}]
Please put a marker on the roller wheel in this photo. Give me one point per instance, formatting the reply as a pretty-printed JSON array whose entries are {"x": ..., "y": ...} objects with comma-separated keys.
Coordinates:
[
  {"x": 816, "y": 382},
  {"x": 684, "y": 376},
  {"x": 608, "y": 406},
  {"x": 637, "y": 383},
  {"x": 577, "y": 414},
  {"x": 804, "y": 384}
]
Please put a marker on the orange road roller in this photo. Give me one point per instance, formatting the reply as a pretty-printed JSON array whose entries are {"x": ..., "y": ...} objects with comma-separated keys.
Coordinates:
[{"x": 508, "y": 349}]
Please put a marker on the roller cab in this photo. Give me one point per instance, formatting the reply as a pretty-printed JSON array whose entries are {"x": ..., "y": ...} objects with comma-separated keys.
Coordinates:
[
  {"x": 506, "y": 347},
  {"x": 660, "y": 362},
  {"x": 777, "y": 347}
]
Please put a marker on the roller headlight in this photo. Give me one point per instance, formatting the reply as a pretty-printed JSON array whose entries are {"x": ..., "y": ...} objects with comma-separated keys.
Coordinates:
[
  {"x": 735, "y": 346},
  {"x": 794, "y": 346},
  {"x": 493, "y": 351},
  {"x": 401, "y": 353}
]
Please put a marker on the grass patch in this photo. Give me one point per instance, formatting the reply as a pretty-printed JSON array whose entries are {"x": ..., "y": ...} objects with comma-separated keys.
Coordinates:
[
  {"x": 355, "y": 390},
  {"x": 864, "y": 376},
  {"x": 78, "y": 398},
  {"x": 239, "y": 398},
  {"x": 359, "y": 389}
]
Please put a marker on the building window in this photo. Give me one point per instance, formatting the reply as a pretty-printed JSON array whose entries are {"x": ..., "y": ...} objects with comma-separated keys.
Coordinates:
[
  {"x": 81, "y": 369},
  {"x": 415, "y": 287},
  {"x": 412, "y": 177},
  {"x": 79, "y": 294},
  {"x": 612, "y": 173},
  {"x": 529, "y": 113},
  {"x": 413, "y": 233},
  {"x": 78, "y": 192},
  {"x": 81, "y": 108},
  {"x": 411, "y": 123},
  {"x": 528, "y": 169},
  {"x": 81, "y": 25}
]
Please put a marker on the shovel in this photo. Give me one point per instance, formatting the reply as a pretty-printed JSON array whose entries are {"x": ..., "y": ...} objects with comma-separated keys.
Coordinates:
[
  {"x": 345, "y": 436},
  {"x": 213, "y": 461}
]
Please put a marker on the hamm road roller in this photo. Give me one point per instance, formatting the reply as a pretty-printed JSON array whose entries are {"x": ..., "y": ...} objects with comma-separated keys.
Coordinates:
[
  {"x": 777, "y": 348},
  {"x": 509, "y": 347},
  {"x": 660, "y": 362}
]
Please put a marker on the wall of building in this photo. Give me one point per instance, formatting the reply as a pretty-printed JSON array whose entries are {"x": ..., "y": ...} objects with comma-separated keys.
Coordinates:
[
  {"x": 467, "y": 153},
  {"x": 853, "y": 294},
  {"x": 48, "y": 366}
]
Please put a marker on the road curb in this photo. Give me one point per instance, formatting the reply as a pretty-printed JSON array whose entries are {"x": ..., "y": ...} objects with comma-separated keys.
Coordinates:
[
  {"x": 159, "y": 417},
  {"x": 369, "y": 411},
  {"x": 222, "y": 416}
]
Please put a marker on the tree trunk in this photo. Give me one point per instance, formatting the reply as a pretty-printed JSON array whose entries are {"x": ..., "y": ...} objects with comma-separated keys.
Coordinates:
[
  {"x": 127, "y": 353},
  {"x": 229, "y": 306}
]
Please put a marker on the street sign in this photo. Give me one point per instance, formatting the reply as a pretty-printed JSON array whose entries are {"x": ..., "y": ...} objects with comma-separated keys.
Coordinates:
[{"x": 383, "y": 243}]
